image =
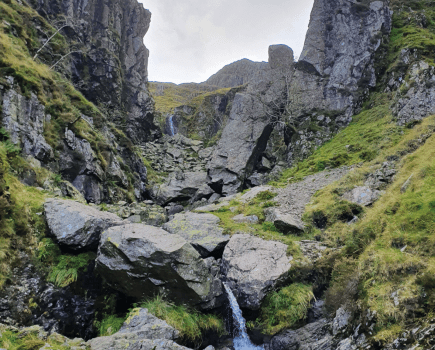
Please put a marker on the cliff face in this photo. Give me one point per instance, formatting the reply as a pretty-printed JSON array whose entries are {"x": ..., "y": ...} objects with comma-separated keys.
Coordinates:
[
  {"x": 235, "y": 74},
  {"x": 308, "y": 102},
  {"x": 111, "y": 70}
]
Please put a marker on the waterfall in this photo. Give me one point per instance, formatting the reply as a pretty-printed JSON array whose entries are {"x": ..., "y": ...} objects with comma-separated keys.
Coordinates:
[
  {"x": 171, "y": 126},
  {"x": 241, "y": 341}
]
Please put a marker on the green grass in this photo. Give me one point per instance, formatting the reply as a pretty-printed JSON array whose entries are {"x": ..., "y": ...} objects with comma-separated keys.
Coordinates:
[
  {"x": 285, "y": 308},
  {"x": 190, "y": 323},
  {"x": 109, "y": 325},
  {"x": 11, "y": 340},
  {"x": 68, "y": 267},
  {"x": 370, "y": 133}
]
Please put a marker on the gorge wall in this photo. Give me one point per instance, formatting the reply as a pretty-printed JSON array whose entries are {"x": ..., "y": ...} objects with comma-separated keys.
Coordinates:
[
  {"x": 111, "y": 69},
  {"x": 309, "y": 100}
]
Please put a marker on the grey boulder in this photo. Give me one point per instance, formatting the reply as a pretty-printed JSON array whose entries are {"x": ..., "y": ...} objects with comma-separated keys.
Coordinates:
[
  {"x": 76, "y": 225},
  {"x": 285, "y": 223},
  {"x": 242, "y": 219},
  {"x": 252, "y": 267},
  {"x": 179, "y": 187},
  {"x": 202, "y": 231},
  {"x": 139, "y": 331},
  {"x": 362, "y": 195},
  {"x": 142, "y": 261}
]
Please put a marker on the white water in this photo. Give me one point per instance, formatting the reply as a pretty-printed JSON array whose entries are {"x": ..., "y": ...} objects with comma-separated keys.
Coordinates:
[
  {"x": 241, "y": 341},
  {"x": 171, "y": 126}
]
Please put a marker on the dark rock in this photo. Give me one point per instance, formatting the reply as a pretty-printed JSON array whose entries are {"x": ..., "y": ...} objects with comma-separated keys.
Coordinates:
[
  {"x": 113, "y": 72},
  {"x": 174, "y": 209},
  {"x": 315, "y": 335},
  {"x": 29, "y": 300},
  {"x": 252, "y": 266},
  {"x": 77, "y": 226},
  {"x": 142, "y": 261}
]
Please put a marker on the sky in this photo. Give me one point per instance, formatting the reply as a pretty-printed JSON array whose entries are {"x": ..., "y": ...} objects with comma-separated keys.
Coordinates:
[{"x": 190, "y": 40}]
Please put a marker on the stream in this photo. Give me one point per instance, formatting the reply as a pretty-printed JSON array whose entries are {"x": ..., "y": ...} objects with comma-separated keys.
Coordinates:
[
  {"x": 171, "y": 126},
  {"x": 241, "y": 340}
]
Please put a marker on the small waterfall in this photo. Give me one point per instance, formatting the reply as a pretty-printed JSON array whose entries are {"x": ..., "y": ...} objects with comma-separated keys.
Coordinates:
[
  {"x": 241, "y": 341},
  {"x": 171, "y": 126}
]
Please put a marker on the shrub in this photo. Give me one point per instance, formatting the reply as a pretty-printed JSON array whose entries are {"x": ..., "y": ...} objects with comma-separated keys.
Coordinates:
[{"x": 67, "y": 269}]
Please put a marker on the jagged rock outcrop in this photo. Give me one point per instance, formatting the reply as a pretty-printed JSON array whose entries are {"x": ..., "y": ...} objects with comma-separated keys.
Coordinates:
[
  {"x": 415, "y": 97},
  {"x": 111, "y": 70},
  {"x": 335, "y": 70},
  {"x": 245, "y": 136},
  {"x": 236, "y": 73},
  {"x": 308, "y": 101},
  {"x": 77, "y": 226},
  {"x": 200, "y": 230},
  {"x": 142, "y": 261},
  {"x": 24, "y": 119},
  {"x": 252, "y": 266},
  {"x": 98, "y": 178}
]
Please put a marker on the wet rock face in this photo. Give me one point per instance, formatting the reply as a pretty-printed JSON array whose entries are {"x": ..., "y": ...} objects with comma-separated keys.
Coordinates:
[
  {"x": 142, "y": 261},
  {"x": 252, "y": 266},
  {"x": 29, "y": 300},
  {"x": 113, "y": 73},
  {"x": 77, "y": 226}
]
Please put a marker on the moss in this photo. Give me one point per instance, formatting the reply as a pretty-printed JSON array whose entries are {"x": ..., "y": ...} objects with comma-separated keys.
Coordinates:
[
  {"x": 19, "y": 209},
  {"x": 285, "y": 308},
  {"x": 368, "y": 136}
]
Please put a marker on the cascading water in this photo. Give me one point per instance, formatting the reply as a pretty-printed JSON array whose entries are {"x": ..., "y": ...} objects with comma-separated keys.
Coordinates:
[
  {"x": 241, "y": 341},
  {"x": 171, "y": 126}
]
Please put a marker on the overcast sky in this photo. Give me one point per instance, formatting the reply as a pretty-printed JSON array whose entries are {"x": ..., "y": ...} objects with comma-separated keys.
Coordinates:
[{"x": 189, "y": 40}]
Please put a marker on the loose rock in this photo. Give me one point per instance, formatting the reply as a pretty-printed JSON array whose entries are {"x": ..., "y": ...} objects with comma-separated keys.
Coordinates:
[{"x": 76, "y": 225}]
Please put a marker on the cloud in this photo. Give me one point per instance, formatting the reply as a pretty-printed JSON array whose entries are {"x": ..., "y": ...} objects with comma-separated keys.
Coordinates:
[{"x": 190, "y": 40}]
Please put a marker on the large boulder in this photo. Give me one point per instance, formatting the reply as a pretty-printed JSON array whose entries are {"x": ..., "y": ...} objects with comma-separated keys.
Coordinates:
[
  {"x": 252, "y": 267},
  {"x": 179, "y": 187},
  {"x": 141, "y": 330},
  {"x": 75, "y": 225},
  {"x": 200, "y": 230},
  {"x": 142, "y": 261}
]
